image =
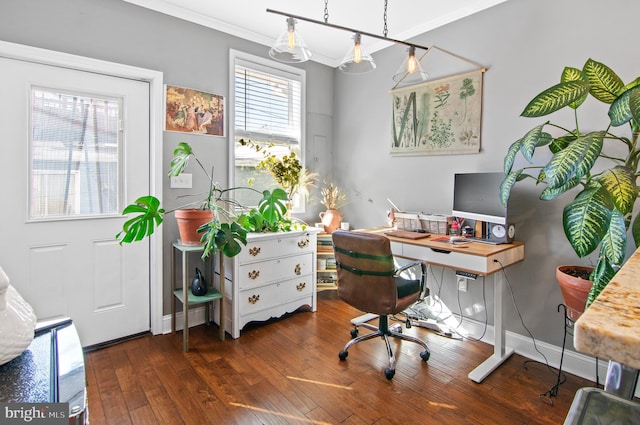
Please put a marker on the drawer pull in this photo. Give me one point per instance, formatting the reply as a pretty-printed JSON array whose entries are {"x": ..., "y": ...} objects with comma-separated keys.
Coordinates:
[
  {"x": 298, "y": 269},
  {"x": 304, "y": 243},
  {"x": 254, "y": 251},
  {"x": 254, "y": 299},
  {"x": 254, "y": 274},
  {"x": 301, "y": 286}
]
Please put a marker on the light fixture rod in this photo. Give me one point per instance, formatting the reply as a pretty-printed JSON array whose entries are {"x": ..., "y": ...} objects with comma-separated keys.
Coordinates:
[{"x": 340, "y": 27}]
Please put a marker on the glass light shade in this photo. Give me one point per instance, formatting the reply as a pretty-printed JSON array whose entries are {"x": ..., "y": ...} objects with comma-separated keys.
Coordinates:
[
  {"x": 357, "y": 60},
  {"x": 410, "y": 72},
  {"x": 290, "y": 47}
]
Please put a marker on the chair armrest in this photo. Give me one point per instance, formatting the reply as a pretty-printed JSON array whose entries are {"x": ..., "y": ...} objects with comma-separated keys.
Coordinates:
[{"x": 411, "y": 265}]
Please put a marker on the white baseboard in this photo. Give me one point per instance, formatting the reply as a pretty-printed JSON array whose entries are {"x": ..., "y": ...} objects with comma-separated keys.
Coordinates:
[{"x": 196, "y": 317}]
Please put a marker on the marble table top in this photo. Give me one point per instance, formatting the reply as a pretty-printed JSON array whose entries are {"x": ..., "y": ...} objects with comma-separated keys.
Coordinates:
[{"x": 610, "y": 327}]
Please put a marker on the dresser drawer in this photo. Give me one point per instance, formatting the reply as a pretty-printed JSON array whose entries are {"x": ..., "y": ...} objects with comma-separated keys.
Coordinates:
[
  {"x": 260, "y": 248},
  {"x": 278, "y": 293},
  {"x": 256, "y": 274}
]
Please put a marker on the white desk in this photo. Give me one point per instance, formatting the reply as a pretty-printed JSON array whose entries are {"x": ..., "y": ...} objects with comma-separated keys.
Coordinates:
[{"x": 474, "y": 257}]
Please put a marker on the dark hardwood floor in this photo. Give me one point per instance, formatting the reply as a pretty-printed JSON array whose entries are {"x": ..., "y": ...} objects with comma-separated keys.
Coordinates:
[{"x": 287, "y": 371}]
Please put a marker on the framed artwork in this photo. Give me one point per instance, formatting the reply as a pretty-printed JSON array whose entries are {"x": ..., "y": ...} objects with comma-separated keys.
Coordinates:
[
  {"x": 440, "y": 117},
  {"x": 193, "y": 111}
]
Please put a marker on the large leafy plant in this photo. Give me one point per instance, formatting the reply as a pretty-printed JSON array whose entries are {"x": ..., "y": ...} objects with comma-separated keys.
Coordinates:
[
  {"x": 226, "y": 231},
  {"x": 600, "y": 215}
]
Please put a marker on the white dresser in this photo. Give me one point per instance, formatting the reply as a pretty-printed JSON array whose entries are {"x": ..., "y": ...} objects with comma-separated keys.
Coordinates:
[{"x": 273, "y": 275}]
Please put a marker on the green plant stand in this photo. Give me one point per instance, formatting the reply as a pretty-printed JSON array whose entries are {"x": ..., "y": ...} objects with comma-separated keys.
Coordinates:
[{"x": 184, "y": 295}]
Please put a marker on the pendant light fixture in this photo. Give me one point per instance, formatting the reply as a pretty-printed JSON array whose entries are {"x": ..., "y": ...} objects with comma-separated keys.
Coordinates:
[
  {"x": 410, "y": 72},
  {"x": 357, "y": 60},
  {"x": 290, "y": 46}
]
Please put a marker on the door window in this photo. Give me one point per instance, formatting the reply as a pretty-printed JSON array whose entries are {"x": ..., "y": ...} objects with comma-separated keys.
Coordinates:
[{"x": 75, "y": 145}]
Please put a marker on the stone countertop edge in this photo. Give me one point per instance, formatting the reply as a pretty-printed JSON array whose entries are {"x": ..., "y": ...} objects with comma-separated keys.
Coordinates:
[{"x": 610, "y": 327}]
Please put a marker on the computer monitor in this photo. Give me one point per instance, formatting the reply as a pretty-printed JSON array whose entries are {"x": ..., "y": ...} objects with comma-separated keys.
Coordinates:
[{"x": 476, "y": 196}]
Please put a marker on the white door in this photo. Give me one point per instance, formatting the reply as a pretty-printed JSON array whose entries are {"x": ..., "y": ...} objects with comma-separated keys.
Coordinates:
[{"x": 75, "y": 150}]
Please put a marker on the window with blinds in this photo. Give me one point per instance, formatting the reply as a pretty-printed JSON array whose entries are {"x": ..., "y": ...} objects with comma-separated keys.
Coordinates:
[{"x": 267, "y": 107}]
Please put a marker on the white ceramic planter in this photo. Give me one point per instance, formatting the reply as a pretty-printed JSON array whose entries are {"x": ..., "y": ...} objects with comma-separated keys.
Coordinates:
[{"x": 17, "y": 321}]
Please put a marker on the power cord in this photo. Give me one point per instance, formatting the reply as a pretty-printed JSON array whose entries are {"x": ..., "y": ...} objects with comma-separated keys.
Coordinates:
[
  {"x": 462, "y": 316},
  {"x": 546, "y": 396}
]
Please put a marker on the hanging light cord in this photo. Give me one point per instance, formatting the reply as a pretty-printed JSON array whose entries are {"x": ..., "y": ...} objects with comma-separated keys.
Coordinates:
[
  {"x": 326, "y": 11},
  {"x": 385, "y": 30}
]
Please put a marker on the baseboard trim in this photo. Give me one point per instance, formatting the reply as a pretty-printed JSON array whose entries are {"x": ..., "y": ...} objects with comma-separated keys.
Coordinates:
[{"x": 196, "y": 317}]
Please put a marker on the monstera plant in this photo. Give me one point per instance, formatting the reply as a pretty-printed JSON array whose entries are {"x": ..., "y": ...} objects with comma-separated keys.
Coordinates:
[
  {"x": 225, "y": 230},
  {"x": 595, "y": 167}
]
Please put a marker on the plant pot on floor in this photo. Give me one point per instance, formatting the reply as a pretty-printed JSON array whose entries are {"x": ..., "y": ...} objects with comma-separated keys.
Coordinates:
[
  {"x": 189, "y": 220},
  {"x": 575, "y": 286}
]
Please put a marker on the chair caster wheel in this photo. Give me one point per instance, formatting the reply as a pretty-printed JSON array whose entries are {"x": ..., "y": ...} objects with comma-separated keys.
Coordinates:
[
  {"x": 343, "y": 355},
  {"x": 425, "y": 355},
  {"x": 354, "y": 333},
  {"x": 388, "y": 372}
]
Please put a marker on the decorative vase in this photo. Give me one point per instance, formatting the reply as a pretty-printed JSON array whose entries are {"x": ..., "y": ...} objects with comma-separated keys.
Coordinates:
[
  {"x": 17, "y": 321},
  {"x": 575, "y": 290},
  {"x": 198, "y": 284},
  {"x": 189, "y": 220},
  {"x": 330, "y": 220}
]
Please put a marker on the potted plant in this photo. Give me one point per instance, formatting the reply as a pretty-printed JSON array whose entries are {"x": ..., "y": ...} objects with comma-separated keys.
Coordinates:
[
  {"x": 221, "y": 228},
  {"x": 590, "y": 162},
  {"x": 333, "y": 198},
  {"x": 286, "y": 170}
]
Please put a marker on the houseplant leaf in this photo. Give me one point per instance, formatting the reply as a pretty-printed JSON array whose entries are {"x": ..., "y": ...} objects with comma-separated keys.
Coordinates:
[
  {"x": 550, "y": 193},
  {"x": 556, "y": 97},
  {"x": 142, "y": 225},
  {"x": 574, "y": 74},
  {"x": 577, "y": 159},
  {"x": 181, "y": 155},
  {"x": 586, "y": 219},
  {"x": 614, "y": 243},
  {"x": 620, "y": 182},
  {"x": 601, "y": 275},
  {"x": 620, "y": 110},
  {"x": 604, "y": 84},
  {"x": 534, "y": 138},
  {"x": 272, "y": 205}
]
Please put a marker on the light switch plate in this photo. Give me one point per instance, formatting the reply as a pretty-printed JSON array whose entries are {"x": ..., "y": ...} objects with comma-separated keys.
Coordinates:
[{"x": 182, "y": 181}]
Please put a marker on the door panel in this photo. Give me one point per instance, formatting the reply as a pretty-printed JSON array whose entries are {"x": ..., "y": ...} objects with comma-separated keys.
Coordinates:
[{"x": 73, "y": 266}]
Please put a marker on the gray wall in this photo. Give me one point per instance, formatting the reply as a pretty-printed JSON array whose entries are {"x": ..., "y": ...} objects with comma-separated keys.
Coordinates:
[
  {"x": 524, "y": 44},
  {"x": 189, "y": 55}
]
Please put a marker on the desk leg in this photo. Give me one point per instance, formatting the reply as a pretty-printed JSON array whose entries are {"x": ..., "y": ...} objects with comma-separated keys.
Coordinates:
[
  {"x": 500, "y": 351},
  {"x": 185, "y": 306}
]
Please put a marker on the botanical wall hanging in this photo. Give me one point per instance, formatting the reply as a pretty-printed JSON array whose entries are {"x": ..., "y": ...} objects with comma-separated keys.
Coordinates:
[
  {"x": 438, "y": 117},
  {"x": 194, "y": 111}
]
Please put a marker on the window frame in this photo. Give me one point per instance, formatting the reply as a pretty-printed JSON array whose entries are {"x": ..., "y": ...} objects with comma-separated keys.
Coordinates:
[{"x": 276, "y": 68}]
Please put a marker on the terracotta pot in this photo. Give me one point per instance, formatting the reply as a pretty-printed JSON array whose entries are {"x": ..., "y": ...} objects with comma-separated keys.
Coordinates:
[
  {"x": 189, "y": 220},
  {"x": 331, "y": 220},
  {"x": 575, "y": 290}
]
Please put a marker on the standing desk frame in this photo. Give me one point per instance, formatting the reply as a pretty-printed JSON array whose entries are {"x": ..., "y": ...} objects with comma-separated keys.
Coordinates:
[{"x": 479, "y": 258}]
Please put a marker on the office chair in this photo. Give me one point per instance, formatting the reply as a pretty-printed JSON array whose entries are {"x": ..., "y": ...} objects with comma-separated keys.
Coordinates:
[{"x": 369, "y": 281}]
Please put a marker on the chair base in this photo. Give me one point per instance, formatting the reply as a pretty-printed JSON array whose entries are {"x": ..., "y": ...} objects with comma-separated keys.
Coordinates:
[{"x": 383, "y": 330}]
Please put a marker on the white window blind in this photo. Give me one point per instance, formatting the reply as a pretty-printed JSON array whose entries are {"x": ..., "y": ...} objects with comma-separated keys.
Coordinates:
[
  {"x": 74, "y": 155},
  {"x": 267, "y": 104}
]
